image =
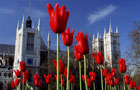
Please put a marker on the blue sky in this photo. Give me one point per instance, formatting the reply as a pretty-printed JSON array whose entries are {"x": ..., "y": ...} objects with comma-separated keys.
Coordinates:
[{"x": 89, "y": 16}]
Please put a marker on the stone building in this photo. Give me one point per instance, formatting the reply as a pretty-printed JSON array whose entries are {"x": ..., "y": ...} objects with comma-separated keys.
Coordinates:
[
  {"x": 6, "y": 63},
  {"x": 109, "y": 45}
]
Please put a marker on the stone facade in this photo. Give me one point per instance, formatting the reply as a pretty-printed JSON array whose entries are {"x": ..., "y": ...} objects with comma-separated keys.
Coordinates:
[
  {"x": 28, "y": 47},
  {"x": 109, "y": 45}
]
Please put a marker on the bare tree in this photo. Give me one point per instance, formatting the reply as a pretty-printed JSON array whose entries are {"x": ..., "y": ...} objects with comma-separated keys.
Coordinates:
[{"x": 133, "y": 53}]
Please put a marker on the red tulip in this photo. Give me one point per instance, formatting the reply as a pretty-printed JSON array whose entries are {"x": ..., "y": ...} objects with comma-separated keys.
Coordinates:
[
  {"x": 127, "y": 79},
  {"x": 132, "y": 84},
  {"x": 61, "y": 66},
  {"x": 113, "y": 72},
  {"x": 36, "y": 79},
  {"x": 117, "y": 80},
  {"x": 13, "y": 85},
  {"x": 138, "y": 87},
  {"x": 47, "y": 78},
  {"x": 122, "y": 65},
  {"x": 72, "y": 79},
  {"x": 17, "y": 73},
  {"x": 40, "y": 84},
  {"x": 83, "y": 77},
  {"x": 104, "y": 72},
  {"x": 82, "y": 45},
  {"x": 17, "y": 82},
  {"x": 26, "y": 74},
  {"x": 88, "y": 82},
  {"x": 59, "y": 77},
  {"x": 92, "y": 76},
  {"x": 63, "y": 82},
  {"x": 108, "y": 77},
  {"x": 78, "y": 55},
  {"x": 65, "y": 72},
  {"x": 24, "y": 81},
  {"x": 99, "y": 58},
  {"x": 67, "y": 37},
  {"x": 107, "y": 81},
  {"x": 111, "y": 82},
  {"x": 58, "y": 18},
  {"x": 22, "y": 66}
]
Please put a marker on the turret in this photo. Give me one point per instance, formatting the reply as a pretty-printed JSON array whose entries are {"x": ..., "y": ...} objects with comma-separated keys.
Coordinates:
[
  {"x": 110, "y": 28},
  {"x": 98, "y": 35},
  {"x": 18, "y": 25},
  {"x": 104, "y": 32},
  {"x": 117, "y": 30},
  {"x": 29, "y": 23},
  {"x": 93, "y": 37},
  {"x": 38, "y": 25},
  {"x": 22, "y": 25}
]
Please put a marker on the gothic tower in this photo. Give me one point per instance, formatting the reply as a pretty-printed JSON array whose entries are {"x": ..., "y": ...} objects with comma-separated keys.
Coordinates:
[
  {"x": 97, "y": 44},
  {"x": 27, "y": 47},
  {"x": 111, "y": 47}
]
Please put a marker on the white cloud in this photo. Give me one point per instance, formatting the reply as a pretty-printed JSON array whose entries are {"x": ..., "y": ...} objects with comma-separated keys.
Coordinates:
[
  {"x": 96, "y": 16},
  {"x": 6, "y": 11},
  {"x": 38, "y": 13}
]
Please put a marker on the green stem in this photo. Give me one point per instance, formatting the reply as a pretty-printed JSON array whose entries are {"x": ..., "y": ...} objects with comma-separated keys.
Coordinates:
[
  {"x": 49, "y": 87},
  {"x": 110, "y": 87},
  {"x": 68, "y": 68},
  {"x": 128, "y": 87},
  {"x": 94, "y": 85},
  {"x": 23, "y": 82},
  {"x": 89, "y": 88},
  {"x": 105, "y": 83},
  {"x": 31, "y": 88},
  {"x": 61, "y": 82},
  {"x": 85, "y": 72},
  {"x": 118, "y": 86},
  {"x": 71, "y": 86},
  {"x": 123, "y": 83},
  {"x": 107, "y": 87},
  {"x": 57, "y": 61},
  {"x": 101, "y": 77},
  {"x": 80, "y": 75}
]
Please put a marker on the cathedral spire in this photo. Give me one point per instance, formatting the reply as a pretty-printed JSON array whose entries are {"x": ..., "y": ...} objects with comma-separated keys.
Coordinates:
[
  {"x": 39, "y": 24},
  {"x": 104, "y": 31},
  {"x": 117, "y": 30},
  {"x": 110, "y": 28},
  {"x": 18, "y": 25},
  {"x": 98, "y": 35},
  {"x": 22, "y": 22}
]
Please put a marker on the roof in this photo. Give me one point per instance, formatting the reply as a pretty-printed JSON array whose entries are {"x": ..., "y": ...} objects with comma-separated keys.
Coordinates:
[
  {"x": 7, "y": 49},
  {"x": 10, "y": 49}
]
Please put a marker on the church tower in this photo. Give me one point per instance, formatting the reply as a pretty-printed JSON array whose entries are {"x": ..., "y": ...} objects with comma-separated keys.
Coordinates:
[
  {"x": 27, "y": 47},
  {"x": 97, "y": 44},
  {"x": 111, "y": 47}
]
